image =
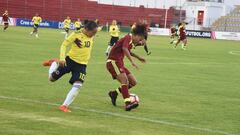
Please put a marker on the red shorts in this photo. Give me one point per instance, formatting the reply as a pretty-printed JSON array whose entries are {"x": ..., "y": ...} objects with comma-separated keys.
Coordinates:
[
  {"x": 116, "y": 67},
  {"x": 181, "y": 38}
]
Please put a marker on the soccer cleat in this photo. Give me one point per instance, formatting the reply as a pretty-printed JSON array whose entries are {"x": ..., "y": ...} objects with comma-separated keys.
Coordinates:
[
  {"x": 113, "y": 95},
  {"x": 184, "y": 48},
  {"x": 49, "y": 62},
  {"x": 64, "y": 108},
  {"x": 129, "y": 106}
]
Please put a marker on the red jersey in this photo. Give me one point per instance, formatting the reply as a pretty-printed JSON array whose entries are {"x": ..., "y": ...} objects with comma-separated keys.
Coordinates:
[
  {"x": 5, "y": 18},
  {"x": 116, "y": 52},
  {"x": 182, "y": 32}
]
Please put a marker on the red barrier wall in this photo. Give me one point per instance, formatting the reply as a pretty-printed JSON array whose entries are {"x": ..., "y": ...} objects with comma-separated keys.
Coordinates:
[{"x": 57, "y": 10}]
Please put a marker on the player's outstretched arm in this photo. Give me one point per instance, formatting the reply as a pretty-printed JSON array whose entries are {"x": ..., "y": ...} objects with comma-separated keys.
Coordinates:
[
  {"x": 67, "y": 42},
  {"x": 138, "y": 57}
]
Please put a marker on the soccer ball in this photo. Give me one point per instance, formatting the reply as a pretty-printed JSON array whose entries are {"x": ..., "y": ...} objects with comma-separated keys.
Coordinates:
[{"x": 134, "y": 98}]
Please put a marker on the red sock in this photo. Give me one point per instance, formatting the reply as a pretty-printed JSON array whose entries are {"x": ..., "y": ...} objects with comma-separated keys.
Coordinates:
[
  {"x": 119, "y": 89},
  {"x": 124, "y": 91}
]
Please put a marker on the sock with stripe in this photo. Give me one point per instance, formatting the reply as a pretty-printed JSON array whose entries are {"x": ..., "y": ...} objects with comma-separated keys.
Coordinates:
[{"x": 125, "y": 93}]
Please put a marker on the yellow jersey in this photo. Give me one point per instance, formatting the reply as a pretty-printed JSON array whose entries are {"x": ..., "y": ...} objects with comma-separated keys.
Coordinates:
[
  {"x": 77, "y": 24},
  {"x": 81, "y": 47},
  {"x": 114, "y": 30},
  {"x": 67, "y": 23},
  {"x": 36, "y": 20}
]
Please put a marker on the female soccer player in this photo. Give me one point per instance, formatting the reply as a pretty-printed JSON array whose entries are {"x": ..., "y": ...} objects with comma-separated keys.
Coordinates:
[
  {"x": 173, "y": 34},
  {"x": 81, "y": 43},
  {"x": 36, "y": 21},
  {"x": 5, "y": 20},
  {"x": 114, "y": 33},
  {"x": 182, "y": 36},
  {"x": 67, "y": 23},
  {"x": 78, "y": 24},
  {"x": 115, "y": 64}
]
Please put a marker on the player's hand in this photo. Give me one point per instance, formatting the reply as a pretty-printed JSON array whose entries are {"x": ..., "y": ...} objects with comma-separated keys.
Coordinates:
[
  {"x": 62, "y": 63},
  {"x": 142, "y": 60},
  {"x": 149, "y": 53},
  {"x": 135, "y": 65}
]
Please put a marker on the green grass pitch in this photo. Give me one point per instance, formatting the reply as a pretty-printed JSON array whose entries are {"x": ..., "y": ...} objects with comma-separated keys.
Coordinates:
[{"x": 192, "y": 92}]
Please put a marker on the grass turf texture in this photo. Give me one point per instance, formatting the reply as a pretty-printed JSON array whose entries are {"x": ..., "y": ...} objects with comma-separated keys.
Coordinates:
[{"x": 193, "y": 92}]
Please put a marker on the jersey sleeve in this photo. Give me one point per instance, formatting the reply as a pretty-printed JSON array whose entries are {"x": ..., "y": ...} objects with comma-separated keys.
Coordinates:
[
  {"x": 65, "y": 44},
  {"x": 110, "y": 29},
  {"x": 126, "y": 42}
]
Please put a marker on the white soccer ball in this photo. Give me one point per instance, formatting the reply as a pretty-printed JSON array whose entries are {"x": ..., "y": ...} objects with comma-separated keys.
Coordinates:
[{"x": 134, "y": 98}]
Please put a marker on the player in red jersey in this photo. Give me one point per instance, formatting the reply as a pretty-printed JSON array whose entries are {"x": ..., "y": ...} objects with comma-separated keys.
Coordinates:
[
  {"x": 5, "y": 20},
  {"x": 173, "y": 34},
  {"x": 115, "y": 64},
  {"x": 182, "y": 35}
]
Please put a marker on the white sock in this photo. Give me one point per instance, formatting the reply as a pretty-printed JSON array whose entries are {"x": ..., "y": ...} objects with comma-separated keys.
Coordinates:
[
  {"x": 108, "y": 49},
  {"x": 72, "y": 94},
  {"x": 52, "y": 68},
  {"x": 36, "y": 35},
  {"x": 66, "y": 35},
  {"x": 182, "y": 45}
]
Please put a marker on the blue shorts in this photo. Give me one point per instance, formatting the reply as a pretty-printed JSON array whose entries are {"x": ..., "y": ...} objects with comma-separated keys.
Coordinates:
[
  {"x": 35, "y": 26},
  {"x": 78, "y": 71}
]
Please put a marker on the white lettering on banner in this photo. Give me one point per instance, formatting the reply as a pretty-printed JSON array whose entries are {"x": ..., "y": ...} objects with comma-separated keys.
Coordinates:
[
  {"x": 45, "y": 24},
  {"x": 61, "y": 25},
  {"x": 22, "y": 22},
  {"x": 198, "y": 34},
  {"x": 159, "y": 31},
  {"x": 227, "y": 35},
  {"x": 30, "y": 23}
]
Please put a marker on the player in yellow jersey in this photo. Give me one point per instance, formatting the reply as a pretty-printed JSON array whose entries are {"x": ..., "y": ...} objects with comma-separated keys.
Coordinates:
[
  {"x": 78, "y": 24},
  {"x": 66, "y": 26},
  {"x": 36, "y": 21},
  {"x": 75, "y": 61},
  {"x": 114, "y": 33}
]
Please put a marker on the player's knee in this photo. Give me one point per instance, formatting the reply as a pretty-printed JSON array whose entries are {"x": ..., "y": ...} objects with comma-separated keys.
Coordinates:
[
  {"x": 51, "y": 79},
  {"x": 77, "y": 84},
  {"x": 125, "y": 82},
  {"x": 133, "y": 83}
]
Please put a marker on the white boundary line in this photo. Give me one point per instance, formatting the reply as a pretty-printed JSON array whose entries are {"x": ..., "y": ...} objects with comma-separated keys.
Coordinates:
[
  {"x": 234, "y": 52},
  {"x": 102, "y": 63},
  {"x": 124, "y": 116}
]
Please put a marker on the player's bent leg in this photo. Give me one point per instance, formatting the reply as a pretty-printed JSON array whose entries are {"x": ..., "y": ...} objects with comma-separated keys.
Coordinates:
[
  {"x": 56, "y": 72},
  {"x": 72, "y": 94},
  {"x": 176, "y": 44},
  {"x": 123, "y": 79},
  {"x": 184, "y": 44},
  {"x": 132, "y": 80}
]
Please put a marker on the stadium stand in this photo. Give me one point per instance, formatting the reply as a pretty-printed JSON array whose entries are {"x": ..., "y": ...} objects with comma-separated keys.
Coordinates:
[
  {"x": 84, "y": 9},
  {"x": 230, "y": 22}
]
